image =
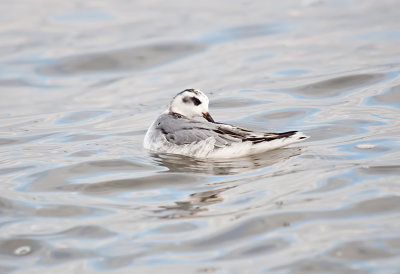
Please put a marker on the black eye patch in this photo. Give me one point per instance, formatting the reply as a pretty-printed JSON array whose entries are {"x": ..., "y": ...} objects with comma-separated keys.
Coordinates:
[{"x": 195, "y": 100}]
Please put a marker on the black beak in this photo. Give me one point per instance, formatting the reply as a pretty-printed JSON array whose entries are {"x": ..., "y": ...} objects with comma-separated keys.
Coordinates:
[{"x": 208, "y": 117}]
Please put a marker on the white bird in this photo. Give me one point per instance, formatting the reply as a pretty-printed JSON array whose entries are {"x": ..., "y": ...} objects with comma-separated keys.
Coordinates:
[{"x": 175, "y": 131}]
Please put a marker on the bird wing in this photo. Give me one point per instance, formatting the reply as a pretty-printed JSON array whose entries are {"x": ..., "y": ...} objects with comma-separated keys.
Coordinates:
[
  {"x": 180, "y": 131},
  {"x": 246, "y": 135}
]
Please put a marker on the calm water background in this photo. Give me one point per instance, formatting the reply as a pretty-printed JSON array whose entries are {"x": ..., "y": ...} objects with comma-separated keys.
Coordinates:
[{"x": 81, "y": 81}]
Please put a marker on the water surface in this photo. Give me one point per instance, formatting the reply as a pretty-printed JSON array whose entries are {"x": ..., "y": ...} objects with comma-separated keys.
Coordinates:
[{"x": 81, "y": 82}]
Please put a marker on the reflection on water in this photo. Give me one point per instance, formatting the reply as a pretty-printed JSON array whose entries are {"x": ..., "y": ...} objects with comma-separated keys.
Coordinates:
[
  {"x": 178, "y": 163},
  {"x": 197, "y": 203},
  {"x": 81, "y": 83}
]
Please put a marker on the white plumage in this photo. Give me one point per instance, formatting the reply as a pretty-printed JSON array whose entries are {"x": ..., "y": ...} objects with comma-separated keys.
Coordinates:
[{"x": 175, "y": 131}]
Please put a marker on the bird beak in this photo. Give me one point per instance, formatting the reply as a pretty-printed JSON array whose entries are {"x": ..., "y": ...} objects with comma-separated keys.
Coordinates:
[{"x": 208, "y": 117}]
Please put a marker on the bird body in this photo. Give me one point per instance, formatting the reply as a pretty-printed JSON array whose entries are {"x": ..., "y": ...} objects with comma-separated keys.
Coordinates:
[{"x": 176, "y": 131}]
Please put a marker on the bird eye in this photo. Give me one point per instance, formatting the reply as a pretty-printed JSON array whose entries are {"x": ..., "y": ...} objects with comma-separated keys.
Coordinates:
[{"x": 196, "y": 101}]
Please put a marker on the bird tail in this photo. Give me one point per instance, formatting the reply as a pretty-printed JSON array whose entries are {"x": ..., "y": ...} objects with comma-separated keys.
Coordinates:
[{"x": 294, "y": 136}]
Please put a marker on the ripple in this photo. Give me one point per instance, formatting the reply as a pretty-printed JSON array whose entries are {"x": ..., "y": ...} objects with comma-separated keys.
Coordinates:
[
  {"x": 260, "y": 248},
  {"x": 176, "y": 228},
  {"x": 23, "y": 250},
  {"x": 62, "y": 255},
  {"x": 359, "y": 251},
  {"x": 136, "y": 58},
  {"x": 390, "y": 97},
  {"x": 23, "y": 140},
  {"x": 245, "y": 32},
  {"x": 37, "y": 252},
  {"x": 387, "y": 170},
  {"x": 251, "y": 227},
  {"x": 81, "y": 137},
  {"x": 335, "y": 182},
  {"x": 232, "y": 103},
  {"x": 78, "y": 232},
  {"x": 12, "y": 247},
  {"x": 336, "y": 86},
  {"x": 62, "y": 178},
  {"x": 80, "y": 116},
  {"x": 285, "y": 114},
  {"x": 84, "y": 153},
  {"x": 12, "y": 208},
  {"x": 20, "y": 82},
  {"x": 244, "y": 238},
  {"x": 317, "y": 265},
  {"x": 5, "y": 171},
  {"x": 131, "y": 184}
]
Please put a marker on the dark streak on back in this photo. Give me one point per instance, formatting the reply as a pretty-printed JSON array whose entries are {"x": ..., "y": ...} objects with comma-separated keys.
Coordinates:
[
  {"x": 273, "y": 136},
  {"x": 255, "y": 140}
]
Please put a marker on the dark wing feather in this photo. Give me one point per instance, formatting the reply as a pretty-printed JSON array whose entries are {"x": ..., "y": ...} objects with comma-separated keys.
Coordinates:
[{"x": 251, "y": 136}]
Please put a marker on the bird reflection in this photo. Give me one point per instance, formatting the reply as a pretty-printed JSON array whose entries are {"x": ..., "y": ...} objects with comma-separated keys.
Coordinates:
[
  {"x": 199, "y": 202},
  {"x": 179, "y": 163}
]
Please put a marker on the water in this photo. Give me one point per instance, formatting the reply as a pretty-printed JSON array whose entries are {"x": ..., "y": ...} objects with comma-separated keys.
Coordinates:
[{"x": 81, "y": 82}]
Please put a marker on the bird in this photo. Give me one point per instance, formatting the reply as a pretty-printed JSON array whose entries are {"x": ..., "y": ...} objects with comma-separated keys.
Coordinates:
[{"x": 179, "y": 131}]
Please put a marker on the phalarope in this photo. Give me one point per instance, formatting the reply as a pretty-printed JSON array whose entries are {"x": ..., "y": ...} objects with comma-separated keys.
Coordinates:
[{"x": 175, "y": 131}]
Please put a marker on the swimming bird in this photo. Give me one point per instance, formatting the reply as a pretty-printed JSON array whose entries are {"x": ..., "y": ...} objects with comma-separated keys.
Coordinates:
[{"x": 177, "y": 131}]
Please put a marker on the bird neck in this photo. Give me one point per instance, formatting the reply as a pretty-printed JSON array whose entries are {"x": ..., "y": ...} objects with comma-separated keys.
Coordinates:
[{"x": 177, "y": 114}]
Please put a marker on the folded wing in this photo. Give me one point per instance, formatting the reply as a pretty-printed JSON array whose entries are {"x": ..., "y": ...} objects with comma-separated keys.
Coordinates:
[{"x": 187, "y": 131}]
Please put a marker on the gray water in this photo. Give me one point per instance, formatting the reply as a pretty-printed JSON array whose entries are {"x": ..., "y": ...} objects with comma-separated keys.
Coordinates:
[{"x": 81, "y": 81}]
